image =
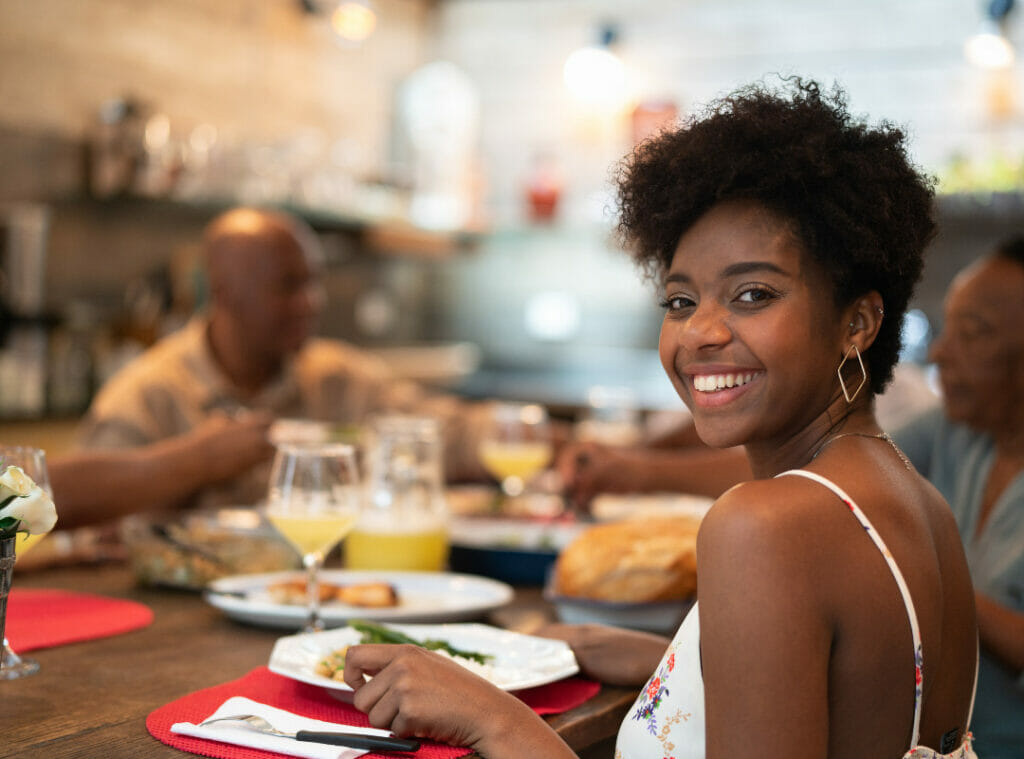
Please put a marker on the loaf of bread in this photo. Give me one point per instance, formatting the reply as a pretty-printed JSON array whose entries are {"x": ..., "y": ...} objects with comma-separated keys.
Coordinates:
[{"x": 652, "y": 559}]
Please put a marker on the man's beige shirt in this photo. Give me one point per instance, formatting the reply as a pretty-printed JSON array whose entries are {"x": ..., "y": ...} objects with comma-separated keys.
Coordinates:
[{"x": 176, "y": 384}]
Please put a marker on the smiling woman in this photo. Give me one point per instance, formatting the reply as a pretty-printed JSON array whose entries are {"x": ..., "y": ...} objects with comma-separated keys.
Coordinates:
[
  {"x": 835, "y": 615},
  {"x": 788, "y": 238}
]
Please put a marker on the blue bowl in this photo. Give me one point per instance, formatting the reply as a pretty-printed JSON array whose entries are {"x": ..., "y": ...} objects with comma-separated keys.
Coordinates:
[{"x": 516, "y": 566}]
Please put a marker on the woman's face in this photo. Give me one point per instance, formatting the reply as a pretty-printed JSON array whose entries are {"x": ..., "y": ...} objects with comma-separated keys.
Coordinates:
[
  {"x": 751, "y": 339},
  {"x": 980, "y": 353}
]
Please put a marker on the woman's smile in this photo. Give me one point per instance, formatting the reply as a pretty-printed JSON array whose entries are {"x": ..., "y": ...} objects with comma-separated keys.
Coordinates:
[{"x": 715, "y": 389}]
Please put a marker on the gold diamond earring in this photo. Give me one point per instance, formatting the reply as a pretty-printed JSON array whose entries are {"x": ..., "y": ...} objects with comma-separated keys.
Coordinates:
[{"x": 863, "y": 374}]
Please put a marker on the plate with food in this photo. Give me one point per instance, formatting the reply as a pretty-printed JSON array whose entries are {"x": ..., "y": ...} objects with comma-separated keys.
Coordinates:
[
  {"x": 509, "y": 660},
  {"x": 278, "y": 599}
]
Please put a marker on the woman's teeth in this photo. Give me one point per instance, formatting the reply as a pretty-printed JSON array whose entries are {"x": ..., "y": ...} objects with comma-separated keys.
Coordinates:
[{"x": 709, "y": 383}]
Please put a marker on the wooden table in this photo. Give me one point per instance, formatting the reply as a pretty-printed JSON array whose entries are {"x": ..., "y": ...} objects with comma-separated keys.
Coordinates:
[{"x": 91, "y": 699}]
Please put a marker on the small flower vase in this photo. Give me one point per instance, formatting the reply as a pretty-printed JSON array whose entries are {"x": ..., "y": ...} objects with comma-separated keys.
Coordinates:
[
  {"x": 12, "y": 666},
  {"x": 6, "y": 573}
]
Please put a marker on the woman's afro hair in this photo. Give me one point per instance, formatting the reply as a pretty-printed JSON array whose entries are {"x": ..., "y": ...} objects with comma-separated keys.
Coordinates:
[{"x": 855, "y": 201}]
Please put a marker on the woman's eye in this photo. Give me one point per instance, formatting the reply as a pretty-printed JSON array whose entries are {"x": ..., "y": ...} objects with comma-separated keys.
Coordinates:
[
  {"x": 756, "y": 295},
  {"x": 676, "y": 303}
]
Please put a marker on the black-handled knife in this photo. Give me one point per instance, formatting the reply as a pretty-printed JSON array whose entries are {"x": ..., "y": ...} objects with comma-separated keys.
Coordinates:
[{"x": 359, "y": 740}]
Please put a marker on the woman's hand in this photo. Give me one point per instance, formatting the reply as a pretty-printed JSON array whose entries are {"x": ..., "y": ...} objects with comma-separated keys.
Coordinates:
[
  {"x": 416, "y": 692},
  {"x": 610, "y": 654}
]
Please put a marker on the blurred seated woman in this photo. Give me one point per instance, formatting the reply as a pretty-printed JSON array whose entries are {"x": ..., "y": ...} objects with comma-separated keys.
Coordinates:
[
  {"x": 835, "y": 615},
  {"x": 972, "y": 449}
]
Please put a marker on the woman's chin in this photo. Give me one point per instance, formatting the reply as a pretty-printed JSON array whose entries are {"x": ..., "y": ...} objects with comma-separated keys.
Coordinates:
[{"x": 717, "y": 436}]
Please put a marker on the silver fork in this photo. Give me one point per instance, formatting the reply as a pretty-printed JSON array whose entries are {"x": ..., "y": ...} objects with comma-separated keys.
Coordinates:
[{"x": 351, "y": 740}]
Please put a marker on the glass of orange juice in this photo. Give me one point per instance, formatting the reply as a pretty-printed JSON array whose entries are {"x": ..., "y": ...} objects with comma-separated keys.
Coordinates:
[
  {"x": 313, "y": 502},
  {"x": 517, "y": 445},
  {"x": 33, "y": 463},
  {"x": 403, "y": 521}
]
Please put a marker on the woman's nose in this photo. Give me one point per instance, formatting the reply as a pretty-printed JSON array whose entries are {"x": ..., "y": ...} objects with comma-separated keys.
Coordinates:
[{"x": 706, "y": 327}]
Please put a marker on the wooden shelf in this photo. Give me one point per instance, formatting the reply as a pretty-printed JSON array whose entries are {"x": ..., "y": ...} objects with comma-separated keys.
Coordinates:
[{"x": 389, "y": 236}]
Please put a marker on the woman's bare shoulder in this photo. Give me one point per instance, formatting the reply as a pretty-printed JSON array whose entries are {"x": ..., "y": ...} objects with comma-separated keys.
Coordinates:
[
  {"x": 777, "y": 517},
  {"x": 764, "y": 550},
  {"x": 767, "y": 504}
]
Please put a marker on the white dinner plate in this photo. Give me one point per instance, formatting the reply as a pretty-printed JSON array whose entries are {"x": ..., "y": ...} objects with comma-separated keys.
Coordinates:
[
  {"x": 609, "y": 507},
  {"x": 520, "y": 661},
  {"x": 422, "y": 597}
]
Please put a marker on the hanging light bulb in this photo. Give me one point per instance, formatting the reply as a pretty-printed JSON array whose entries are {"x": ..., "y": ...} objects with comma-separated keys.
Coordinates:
[
  {"x": 353, "y": 20},
  {"x": 594, "y": 74},
  {"x": 989, "y": 48}
]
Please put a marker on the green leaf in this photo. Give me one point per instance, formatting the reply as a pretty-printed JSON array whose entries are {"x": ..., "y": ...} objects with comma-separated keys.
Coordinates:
[{"x": 9, "y": 523}]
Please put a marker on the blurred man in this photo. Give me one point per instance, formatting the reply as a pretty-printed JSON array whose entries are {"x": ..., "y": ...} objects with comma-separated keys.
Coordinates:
[{"x": 252, "y": 358}]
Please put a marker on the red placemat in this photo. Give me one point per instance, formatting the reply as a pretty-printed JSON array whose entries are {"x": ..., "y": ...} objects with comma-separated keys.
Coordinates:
[
  {"x": 310, "y": 701},
  {"x": 45, "y": 618}
]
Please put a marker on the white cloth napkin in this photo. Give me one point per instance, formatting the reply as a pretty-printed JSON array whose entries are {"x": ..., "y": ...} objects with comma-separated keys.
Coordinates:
[{"x": 241, "y": 735}]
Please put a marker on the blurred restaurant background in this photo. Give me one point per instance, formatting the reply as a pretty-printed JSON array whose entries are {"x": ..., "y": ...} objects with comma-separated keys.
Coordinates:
[{"x": 455, "y": 156}]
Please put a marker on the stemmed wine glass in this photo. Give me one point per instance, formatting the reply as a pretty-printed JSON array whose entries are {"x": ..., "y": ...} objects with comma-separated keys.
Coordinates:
[
  {"x": 517, "y": 444},
  {"x": 313, "y": 501},
  {"x": 33, "y": 463}
]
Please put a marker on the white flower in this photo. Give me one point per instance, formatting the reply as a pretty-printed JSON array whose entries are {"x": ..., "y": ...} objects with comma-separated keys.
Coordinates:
[
  {"x": 28, "y": 503},
  {"x": 14, "y": 481}
]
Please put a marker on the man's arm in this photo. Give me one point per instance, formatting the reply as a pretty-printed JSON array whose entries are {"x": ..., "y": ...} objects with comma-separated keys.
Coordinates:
[
  {"x": 590, "y": 469},
  {"x": 91, "y": 486}
]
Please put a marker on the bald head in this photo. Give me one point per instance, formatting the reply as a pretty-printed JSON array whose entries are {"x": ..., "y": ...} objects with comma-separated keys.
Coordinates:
[
  {"x": 243, "y": 238},
  {"x": 263, "y": 268}
]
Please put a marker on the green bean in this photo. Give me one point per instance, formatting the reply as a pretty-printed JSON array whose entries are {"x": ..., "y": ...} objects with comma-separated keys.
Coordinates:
[{"x": 374, "y": 633}]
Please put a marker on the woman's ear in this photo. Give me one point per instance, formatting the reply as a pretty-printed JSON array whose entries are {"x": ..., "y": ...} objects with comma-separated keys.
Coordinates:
[{"x": 863, "y": 320}]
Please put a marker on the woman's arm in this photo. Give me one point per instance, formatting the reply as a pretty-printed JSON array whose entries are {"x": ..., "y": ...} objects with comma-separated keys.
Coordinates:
[
  {"x": 415, "y": 692},
  {"x": 611, "y": 654},
  {"x": 765, "y": 641}
]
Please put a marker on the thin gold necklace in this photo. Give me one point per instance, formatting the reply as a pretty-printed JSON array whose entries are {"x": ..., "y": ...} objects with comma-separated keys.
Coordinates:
[{"x": 876, "y": 435}]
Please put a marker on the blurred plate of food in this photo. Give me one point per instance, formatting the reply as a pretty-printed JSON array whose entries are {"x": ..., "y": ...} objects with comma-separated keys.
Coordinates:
[
  {"x": 473, "y": 500},
  {"x": 639, "y": 573},
  {"x": 188, "y": 550},
  {"x": 278, "y": 599},
  {"x": 608, "y": 507},
  {"x": 509, "y": 660},
  {"x": 516, "y": 551}
]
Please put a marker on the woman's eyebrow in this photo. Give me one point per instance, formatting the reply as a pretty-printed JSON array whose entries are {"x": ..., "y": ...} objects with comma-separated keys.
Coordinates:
[
  {"x": 747, "y": 267},
  {"x": 743, "y": 267}
]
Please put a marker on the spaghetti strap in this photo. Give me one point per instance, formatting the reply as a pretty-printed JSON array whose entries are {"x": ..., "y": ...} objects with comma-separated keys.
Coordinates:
[{"x": 900, "y": 582}]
